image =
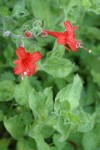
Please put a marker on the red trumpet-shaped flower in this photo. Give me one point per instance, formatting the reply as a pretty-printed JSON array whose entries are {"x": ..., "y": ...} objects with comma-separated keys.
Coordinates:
[
  {"x": 26, "y": 62},
  {"x": 66, "y": 38}
]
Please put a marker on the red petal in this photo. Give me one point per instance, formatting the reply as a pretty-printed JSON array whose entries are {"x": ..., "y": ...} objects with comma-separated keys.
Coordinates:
[
  {"x": 74, "y": 28},
  {"x": 17, "y": 61},
  {"x": 68, "y": 26},
  {"x": 19, "y": 69},
  {"x": 21, "y": 53},
  {"x": 71, "y": 41},
  {"x": 52, "y": 33},
  {"x": 62, "y": 39},
  {"x": 31, "y": 70},
  {"x": 72, "y": 45},
  {"x": 34, "y": 57}
]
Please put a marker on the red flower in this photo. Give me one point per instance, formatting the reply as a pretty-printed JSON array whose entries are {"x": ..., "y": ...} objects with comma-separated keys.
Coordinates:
[
  {"x": 67, "y": 38},
  {"x": 26, "y": 62}
]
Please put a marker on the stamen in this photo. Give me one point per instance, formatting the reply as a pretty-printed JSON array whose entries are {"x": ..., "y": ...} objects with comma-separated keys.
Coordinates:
[
  {"x": 25, "y": 73},
  {"x": 89, "y": 50},
  {"x": 80, "y": 46}
]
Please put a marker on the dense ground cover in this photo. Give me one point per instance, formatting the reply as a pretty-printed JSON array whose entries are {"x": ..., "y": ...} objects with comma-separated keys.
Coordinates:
[{"x": 57, "y": 108}]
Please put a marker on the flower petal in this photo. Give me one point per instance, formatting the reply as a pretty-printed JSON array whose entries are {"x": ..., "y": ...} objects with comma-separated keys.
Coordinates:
[
  {"x": 74, "y": 28},
  {"x": 34, "y": 57},
  {"x": 19, "y": 69},
  {"x": 17, "y": 61},
  {"x": 72, "y": 45},
  {"x": 31, "y": 70},
  {"x": 67, "y": 38},
  {"x": 21, "y": 53},
  {"x": 52, "y": 33},
  {"x": 62, "y": 39},
  {"x": 68, "y": 26}
]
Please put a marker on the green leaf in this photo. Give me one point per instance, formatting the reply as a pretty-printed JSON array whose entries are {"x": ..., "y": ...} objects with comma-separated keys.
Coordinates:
[
  {"x": 69, "y": 96},
  {"x": 91, "y": 5},
  {"x": 86, "y": 3},
  {"x": 46, "y": 130},
  {"x": 9, "y": 51},
  {"x": 4, "y": 11},
  {"x": 88, "y": 97},
  {"x": 41, "y": 103},
  {"x": 41, "y": 144},
  {"x": 73, "y": 118},
  {"x": 91, "y": 140},
  {"x": 49, "y": 99},
  {"x": 76, "y": 138},
  {"x": 63, "y": 127},
  {"x": 87, "y": 122},
  {"x": 37, "y": 104},
  {"x": 7, "y": 89},
  {"x": 60, "y": 83},
  {"x": 54, "y": 148},
  {"x": 1, "y": 115},
  {"x": 7, "y": 76},
  {"x": 75, "y": 92},
  {"x": 23, "y": 145},
  {"x": 58, "y": 50},
  {"x": 72, "y": 12},
  {"x": 58, "y": 67},
  {"x": 41, "y": 10},
  {"x": 26, "y": 144},
  {"x": 8, "y": 25},
  {"x": 91, "y": 31},
  {"x": 61, "y": 101},
  {"x": 4, "y": 143},
  {"x": 19, "y": 10},
  {"x": 70, "y": 3},
  {"x": 96, "y": 76},
  {"x": 57, "y": 142},
  {"x": 22, "y": 92},
  {"x": 14, "y": 126},
  {"x": 26, "y": 116}
]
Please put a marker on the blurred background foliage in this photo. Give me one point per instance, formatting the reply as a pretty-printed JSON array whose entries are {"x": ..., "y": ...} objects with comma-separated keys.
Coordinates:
[{"x": 55, "y": 109}]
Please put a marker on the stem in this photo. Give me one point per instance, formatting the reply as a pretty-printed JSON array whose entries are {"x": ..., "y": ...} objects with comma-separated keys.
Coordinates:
[
  {"x": 16, "y": 36},
  {"x": 8, "y": 33},
  {"x": 22, "y": 44}
]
